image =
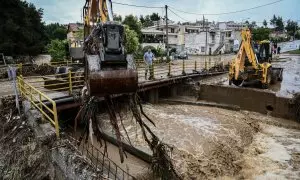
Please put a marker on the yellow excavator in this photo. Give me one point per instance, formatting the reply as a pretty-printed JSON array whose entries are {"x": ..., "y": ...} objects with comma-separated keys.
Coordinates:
[
  {"x": 253, "y": 62},
  {"x": 106, "y": 69}
]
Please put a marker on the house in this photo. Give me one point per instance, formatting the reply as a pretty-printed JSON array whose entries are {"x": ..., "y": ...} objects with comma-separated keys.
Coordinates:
[
  {"x": 278, "y": 35},
  {"x": 75, "y": 34},
  {"x": 196, "y": 38}
]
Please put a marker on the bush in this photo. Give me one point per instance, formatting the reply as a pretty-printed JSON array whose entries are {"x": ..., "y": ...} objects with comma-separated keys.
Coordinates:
[
  {"x": 57, "y": 49},
  {"x": 131, "y": 40}
]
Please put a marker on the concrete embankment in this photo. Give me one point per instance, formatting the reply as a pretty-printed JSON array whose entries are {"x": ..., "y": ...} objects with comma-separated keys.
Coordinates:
[{"x": 257, "y": 100}]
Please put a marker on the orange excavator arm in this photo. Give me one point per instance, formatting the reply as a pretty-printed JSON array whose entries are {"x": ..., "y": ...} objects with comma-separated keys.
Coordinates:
[{"x": 95, "y": 11}]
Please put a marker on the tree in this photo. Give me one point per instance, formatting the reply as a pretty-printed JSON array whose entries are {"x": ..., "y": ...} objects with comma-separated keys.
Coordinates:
[
  {"x": 154, "y": 17},
  {"x": 247, "y": 23},
  {"x": 131, "y": 40},
  {"x": 21, "y": 29},
  {"x": 252, "y": 25},
  {"x": 260, "y": 34},
  {"x": 273, "y": 20},
  {"x": 148, "y": 22},
  {"x": 57, "y": 49},
  {"x": 117, "y": 18},
  {"x": 55, "y": 31},
  {"x": 291, "y": 27},
  {"x": 277, "y": 22},
  {"x": 134, "y": 25},
  {"x": 265, "y": 23},
  {"x": 142, "y": 19}
]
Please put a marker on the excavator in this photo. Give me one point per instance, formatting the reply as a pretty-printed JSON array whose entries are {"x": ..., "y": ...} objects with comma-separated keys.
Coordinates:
[
  {"x": 107, "y": 71},
  {"x": 253, "y": 62}
]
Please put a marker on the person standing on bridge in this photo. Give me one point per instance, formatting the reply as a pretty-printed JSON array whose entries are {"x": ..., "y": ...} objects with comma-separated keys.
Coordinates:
[{"x": 148, "y": 59}]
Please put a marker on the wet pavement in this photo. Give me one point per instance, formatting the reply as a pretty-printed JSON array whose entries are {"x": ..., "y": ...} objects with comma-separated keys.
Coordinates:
[{"x": 291, "y": 77}]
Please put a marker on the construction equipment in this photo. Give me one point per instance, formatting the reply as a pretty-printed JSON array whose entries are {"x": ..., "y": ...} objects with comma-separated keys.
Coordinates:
[
  {"x": 106, "y": 67},
  {"x": 253, "y": 63}
]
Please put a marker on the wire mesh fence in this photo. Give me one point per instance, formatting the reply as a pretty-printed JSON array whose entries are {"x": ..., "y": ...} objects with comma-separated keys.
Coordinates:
[{"x": 104, "y": 167}]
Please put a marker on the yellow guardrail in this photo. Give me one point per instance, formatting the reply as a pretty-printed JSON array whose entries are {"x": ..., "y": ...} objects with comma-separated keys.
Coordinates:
[
  {"x": 35, "y": 89},
  {"x": 57, "y": 82},
  {"x": 178, "y": 67},
  {"x": 65, "y": 63},
  {"x": 37, "y": 99}
]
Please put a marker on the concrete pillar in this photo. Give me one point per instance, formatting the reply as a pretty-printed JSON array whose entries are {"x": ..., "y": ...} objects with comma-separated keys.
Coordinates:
[
  {"x": 173, "y": 91},
  {"x": 153, "y": 96}
]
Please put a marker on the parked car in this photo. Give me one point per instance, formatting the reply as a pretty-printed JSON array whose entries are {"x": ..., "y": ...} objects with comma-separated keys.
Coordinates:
[{"x": 182, "y": 55}]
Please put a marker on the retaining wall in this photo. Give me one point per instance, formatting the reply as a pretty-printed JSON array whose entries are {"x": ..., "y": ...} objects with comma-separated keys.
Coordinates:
[{"x": 249, "y": 99}]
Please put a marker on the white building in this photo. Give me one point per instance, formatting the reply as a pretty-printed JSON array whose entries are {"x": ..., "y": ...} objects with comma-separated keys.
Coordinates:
[{"x": 195, "y": 38}]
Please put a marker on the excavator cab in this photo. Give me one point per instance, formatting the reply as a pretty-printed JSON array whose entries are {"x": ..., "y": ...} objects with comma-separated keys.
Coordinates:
[
  {"x": 264, "y": 53},
  {"x": 106, "y": 69}
]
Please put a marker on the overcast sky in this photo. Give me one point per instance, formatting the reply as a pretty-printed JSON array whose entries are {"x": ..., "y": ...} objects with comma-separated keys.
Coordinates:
[{"x": 66, "y": 11}]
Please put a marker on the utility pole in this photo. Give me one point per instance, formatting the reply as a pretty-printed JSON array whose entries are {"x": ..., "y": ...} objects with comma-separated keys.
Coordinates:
[
  {"x": 205, "y": 37},
  {"x": 203, "y": 23},
  {"x": 167, "y": 31}
]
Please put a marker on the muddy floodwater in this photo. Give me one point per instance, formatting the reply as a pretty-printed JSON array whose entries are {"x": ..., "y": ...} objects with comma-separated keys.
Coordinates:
[
  {"x": 291, "y": 76},
  {"x": 216, "y": 143}
]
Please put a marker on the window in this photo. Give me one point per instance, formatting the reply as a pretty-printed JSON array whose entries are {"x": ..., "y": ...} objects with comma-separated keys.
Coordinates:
[
  {"x": 213, "y": 38},
  {"x": 228, "y": 34},
  {"x": 202, "y": 48},
  {"x": 172, "y": 30}
]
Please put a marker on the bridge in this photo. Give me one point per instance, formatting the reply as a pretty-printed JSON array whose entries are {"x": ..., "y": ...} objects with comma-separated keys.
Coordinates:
[{"x": 54, "y": 93}]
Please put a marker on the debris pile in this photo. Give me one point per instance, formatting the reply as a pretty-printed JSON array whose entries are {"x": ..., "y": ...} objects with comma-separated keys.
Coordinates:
[
  {"x": 43, "y": 69},
  {"x": 20, "y": 155},
  {"x": 162, "y": 165}
]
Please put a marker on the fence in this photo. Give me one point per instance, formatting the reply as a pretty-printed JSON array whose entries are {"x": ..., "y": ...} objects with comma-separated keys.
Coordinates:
[
  {"x": 66, "y": 82},
  {"x": 179, "y": 68},
  {"x": 102, "y": 164},
  {"x": 37, "y": 99},
  {"x": 35, "y": 89},
  {"x": 65, "y": 63}
]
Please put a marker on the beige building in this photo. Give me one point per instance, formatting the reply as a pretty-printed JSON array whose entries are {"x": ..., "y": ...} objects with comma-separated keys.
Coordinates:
[{"x": 75, "y": 34}]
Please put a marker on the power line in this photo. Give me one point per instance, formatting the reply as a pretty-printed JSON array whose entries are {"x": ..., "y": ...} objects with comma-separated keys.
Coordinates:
[
  {"x": 231, "y": 12},
  {"x": 178, "y": 15},
  {"x": 133, "y": 5}
]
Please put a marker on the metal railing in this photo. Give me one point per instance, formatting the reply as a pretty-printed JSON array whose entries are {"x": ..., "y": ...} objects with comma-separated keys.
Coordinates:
[
  {"x": 101, "y": 163},
  {"x": 35, "y": 89},
  {"x": 58, "y": 82},
  {"x": 38, "y": 100},
  {"x": 180, "y": 68},
  {"x": 65, "y": 63}
]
